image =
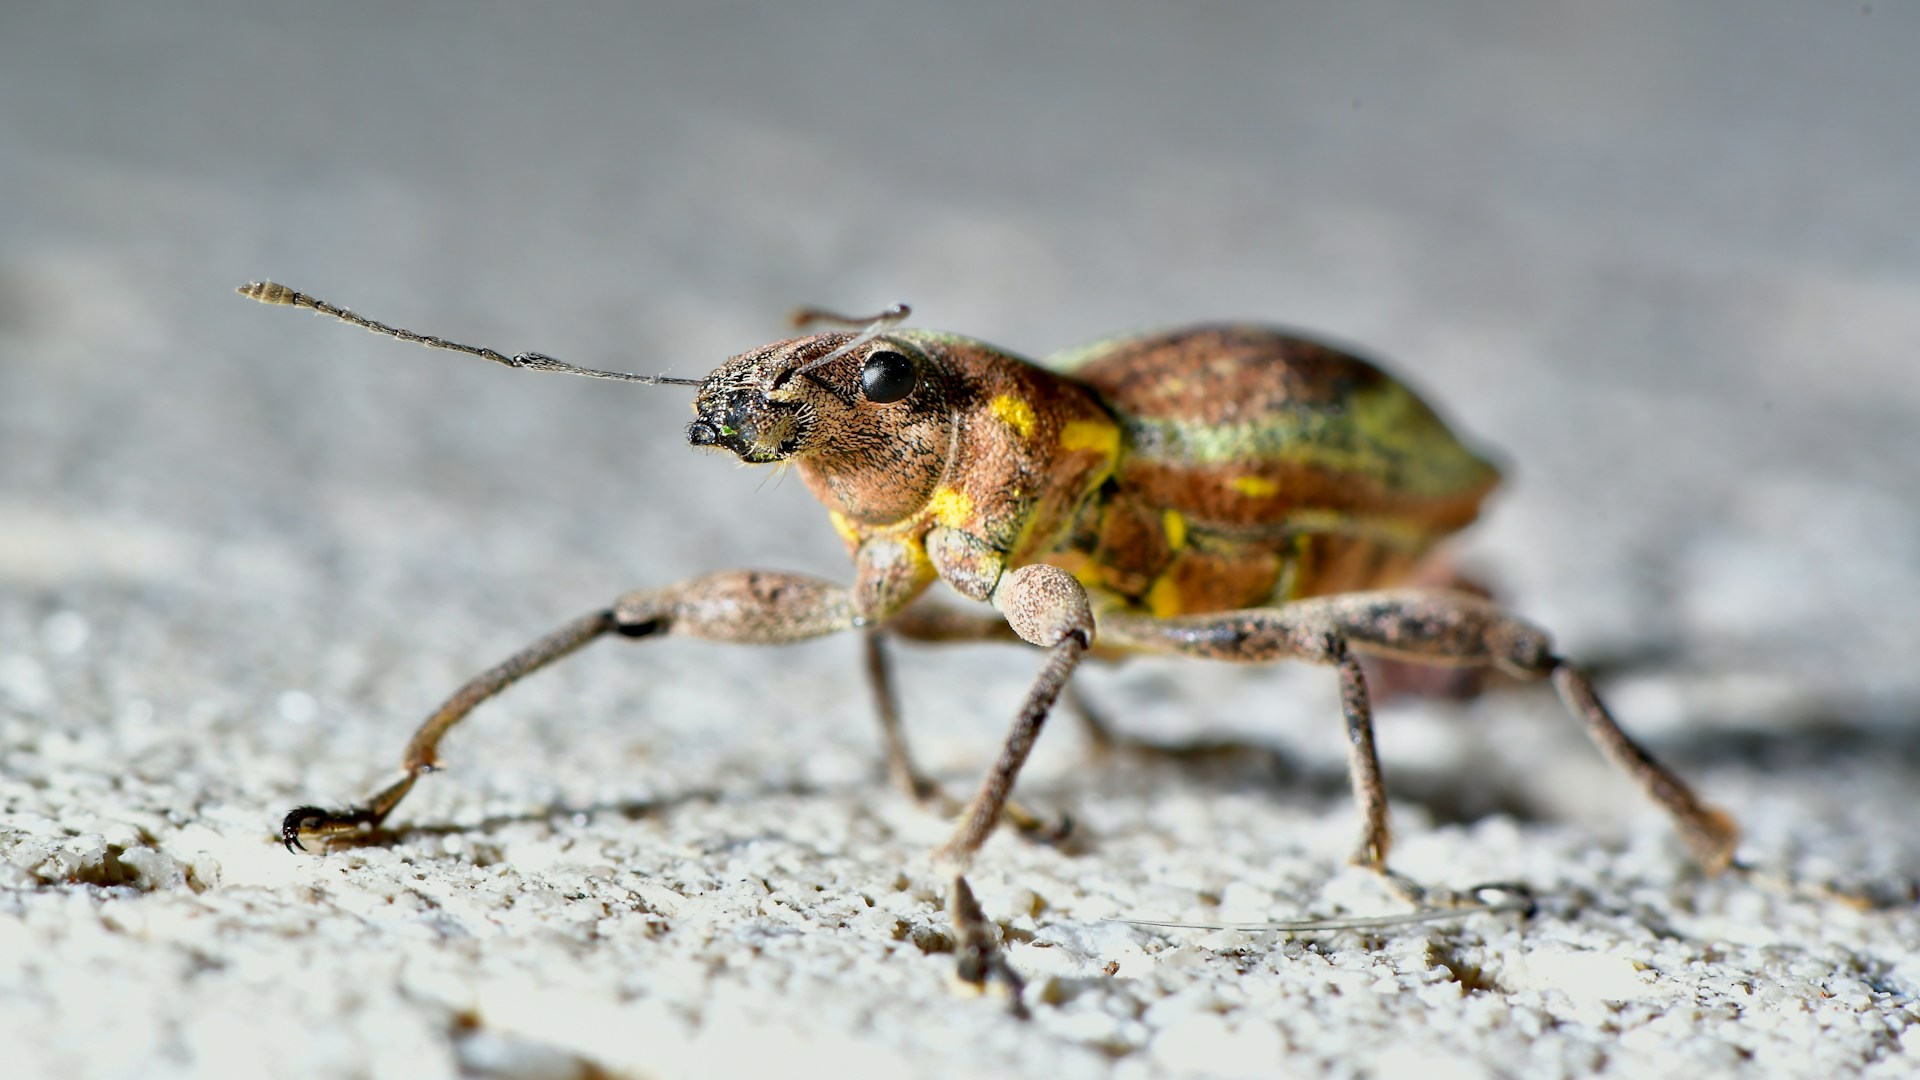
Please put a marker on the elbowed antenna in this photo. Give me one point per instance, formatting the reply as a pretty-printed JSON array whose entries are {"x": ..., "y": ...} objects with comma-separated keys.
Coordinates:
[
  {"x": 870, "y": 328},
  {"x": 801, "y": 318},
  {"x": 271, "y": 292}
]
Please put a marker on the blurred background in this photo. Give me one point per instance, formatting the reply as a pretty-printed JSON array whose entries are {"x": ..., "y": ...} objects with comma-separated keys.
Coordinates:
[{"x": 1662, "y": 257}]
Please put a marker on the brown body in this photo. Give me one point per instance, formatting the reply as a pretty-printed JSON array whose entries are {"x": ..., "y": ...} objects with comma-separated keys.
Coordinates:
[
  {"x": 1227, "y": 492},
  {"x": 1181, "y": 473}
]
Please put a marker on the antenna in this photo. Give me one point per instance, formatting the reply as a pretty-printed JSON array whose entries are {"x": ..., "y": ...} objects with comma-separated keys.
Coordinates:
[
  {"x": 270, "y": 292},
  {"x": 807, "y": 316},
  {"x": 871, "y": 327}
]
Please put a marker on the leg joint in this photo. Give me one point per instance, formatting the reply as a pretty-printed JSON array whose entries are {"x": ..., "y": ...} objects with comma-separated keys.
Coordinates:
[
  {"x": 641, "y": 627},
  {"x": 1521, "y": 649},
  {"x": 1323, "y": 647}
]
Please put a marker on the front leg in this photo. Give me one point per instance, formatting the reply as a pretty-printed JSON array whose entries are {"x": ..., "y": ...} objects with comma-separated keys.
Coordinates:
[
  {"x": 1428, "y": 627},
  {"x": 745, "y": 606}
]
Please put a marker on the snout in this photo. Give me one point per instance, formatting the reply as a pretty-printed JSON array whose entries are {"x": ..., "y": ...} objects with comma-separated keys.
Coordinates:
[
  {"x": 701, "y": 433},
  {"x": 751, "y": 426}
]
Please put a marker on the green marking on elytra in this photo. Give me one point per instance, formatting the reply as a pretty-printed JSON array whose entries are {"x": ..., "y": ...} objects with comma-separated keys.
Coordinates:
[
  {"x": 1393, "y": 532},
  {"x": 1066, "y": 360},
  {"x": 1384, "y": 433}
]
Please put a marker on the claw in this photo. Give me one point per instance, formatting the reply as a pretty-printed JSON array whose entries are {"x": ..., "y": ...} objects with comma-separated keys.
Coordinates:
[
  {"x": 1508, "y": 895},
  {"x": 1062, "y": 830},
  {"x": 980, "y": 959},
  {"x": 295, "y": 820},
  {"x": 1032, "y": 826},
  {"x": 327, "y": 822}
]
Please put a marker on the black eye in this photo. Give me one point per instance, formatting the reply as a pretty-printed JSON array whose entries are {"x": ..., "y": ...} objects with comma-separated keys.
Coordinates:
[{"x": 888, "y": 376}]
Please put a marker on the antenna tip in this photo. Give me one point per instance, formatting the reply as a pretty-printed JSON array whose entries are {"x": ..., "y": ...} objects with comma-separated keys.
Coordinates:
[{"x": 268, "y": 292}]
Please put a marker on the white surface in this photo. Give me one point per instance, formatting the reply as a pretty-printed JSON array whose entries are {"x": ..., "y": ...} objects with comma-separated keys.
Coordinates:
[{"x": 1660, "y": 257}]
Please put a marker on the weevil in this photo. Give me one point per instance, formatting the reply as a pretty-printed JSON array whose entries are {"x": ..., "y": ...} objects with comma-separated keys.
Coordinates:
[{"x": 1228, "y": 492}]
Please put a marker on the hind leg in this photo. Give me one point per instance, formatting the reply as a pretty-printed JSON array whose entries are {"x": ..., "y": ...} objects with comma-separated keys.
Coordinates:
[
  {"x": 1429, "y": 627},
  {"x": 1390, "y": 679}
]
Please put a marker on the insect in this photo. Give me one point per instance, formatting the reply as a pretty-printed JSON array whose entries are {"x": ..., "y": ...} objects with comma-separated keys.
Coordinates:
[{"x": 1226, "y": 492}]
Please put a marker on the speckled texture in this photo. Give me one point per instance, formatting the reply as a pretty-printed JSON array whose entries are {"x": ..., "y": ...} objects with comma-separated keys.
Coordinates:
[{"x": 1659, "y": 255}]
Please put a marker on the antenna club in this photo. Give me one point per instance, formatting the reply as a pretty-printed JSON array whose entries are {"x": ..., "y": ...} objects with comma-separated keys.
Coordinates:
[{"x": 269, "y": 292}]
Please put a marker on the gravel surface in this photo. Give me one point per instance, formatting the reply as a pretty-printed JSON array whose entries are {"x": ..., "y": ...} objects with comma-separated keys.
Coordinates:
[{"x": 1662, "y": 256}]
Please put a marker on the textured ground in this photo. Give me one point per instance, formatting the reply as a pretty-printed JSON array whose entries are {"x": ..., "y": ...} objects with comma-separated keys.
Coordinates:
[{"x": 1662, "y": 256}]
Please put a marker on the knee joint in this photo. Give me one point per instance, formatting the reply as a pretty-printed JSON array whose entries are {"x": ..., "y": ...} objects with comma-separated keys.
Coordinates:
[
  {"x": 1322, "y": 647},
  {"x": 639, "y": 615},
  {"x": 638, "y": 628},
  {"x": 1044, "y": 605},
  {"x": 1520, "y": 649}
]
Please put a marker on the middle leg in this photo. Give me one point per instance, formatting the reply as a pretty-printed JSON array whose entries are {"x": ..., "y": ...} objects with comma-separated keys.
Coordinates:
[
  {"x": 933, "y": 623},
  {"x": 1046, "y": 607}
]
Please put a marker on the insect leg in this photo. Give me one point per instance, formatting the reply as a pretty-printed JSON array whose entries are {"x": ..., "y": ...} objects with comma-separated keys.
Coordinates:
[
  {"x": 930, "y": 623},
  {"x": 1431, "y": 627},
  {"x": 750, "y": 607},
  {"x": 1710, "y": 832},
  {"x": 1047, "y": 607},
  {"x": 934, "y": 623},
  {"x": 991, "y": 801},
  {"x": 1363, "y": 763},
  {"x": 422, "y": 750},
  {"x": 905, "y": 775},
  {"x": 1307, "y": 630}
]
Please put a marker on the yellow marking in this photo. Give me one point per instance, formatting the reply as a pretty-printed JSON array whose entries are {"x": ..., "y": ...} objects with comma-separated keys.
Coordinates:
[
  {"x": 1017, "y": 414},
  {"x": 1255, "y": 487},
  {"x": 1164, "y": 598},
  {"x": 1090, "y": 435},
  {"x": 1088, "y": 572},
  {"x": 843, "y": 526},
  {"x": 951, "y": 507},
  {"x": 1175, "y": 525},
  {"x": 1083, "y": 568},
  {"x": 917, "y": 552}
]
